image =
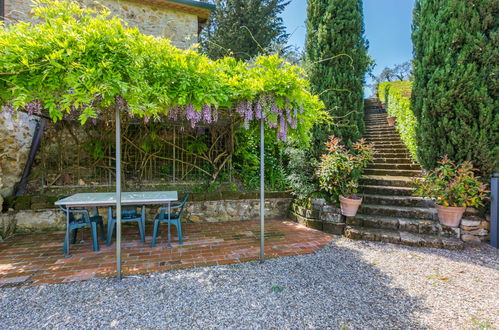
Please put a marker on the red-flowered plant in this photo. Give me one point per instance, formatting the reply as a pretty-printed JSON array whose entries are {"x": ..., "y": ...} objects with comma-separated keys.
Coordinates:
[
  {"x": 452, "y": 184},
  {"x": 340, "y": 168}
]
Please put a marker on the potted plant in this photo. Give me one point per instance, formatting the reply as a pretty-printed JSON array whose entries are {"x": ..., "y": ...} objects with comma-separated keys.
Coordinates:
[
  {"x": 339, "y": 172},
  {"x": 391, "y": 120},
  {"x": 453, "y": 187}
]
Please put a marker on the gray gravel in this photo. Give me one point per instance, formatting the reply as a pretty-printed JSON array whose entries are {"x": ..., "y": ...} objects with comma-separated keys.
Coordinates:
[{"x": 346, "y": 285}]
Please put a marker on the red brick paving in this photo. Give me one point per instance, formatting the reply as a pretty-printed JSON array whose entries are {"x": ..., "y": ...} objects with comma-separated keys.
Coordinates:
[{"x": 38, "y": 259}]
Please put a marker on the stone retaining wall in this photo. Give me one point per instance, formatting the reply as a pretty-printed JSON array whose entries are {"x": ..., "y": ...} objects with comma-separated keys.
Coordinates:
[
  {"x": 37, "y": 213},
  {"x": 318, "y": 214},
  {"x": 474, "y": 228}
]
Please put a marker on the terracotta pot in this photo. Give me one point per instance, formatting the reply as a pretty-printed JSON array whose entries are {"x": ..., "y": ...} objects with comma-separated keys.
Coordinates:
[
  {"x": 391, "y": 120},
  {"x": 450, "y": 215},
  {"x": 349, "y": 206}
]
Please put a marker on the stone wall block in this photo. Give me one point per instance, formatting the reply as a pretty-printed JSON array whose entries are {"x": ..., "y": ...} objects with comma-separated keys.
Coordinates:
[{"x": 332, "y": 217}]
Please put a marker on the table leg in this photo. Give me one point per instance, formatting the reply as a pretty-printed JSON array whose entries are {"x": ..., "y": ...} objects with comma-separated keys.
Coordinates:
[
  {"x": 169, "y": 235},
  {"x": 67, "y": 238}
]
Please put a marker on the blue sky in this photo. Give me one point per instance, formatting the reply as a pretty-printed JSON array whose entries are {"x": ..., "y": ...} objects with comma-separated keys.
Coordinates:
[{"x": 387, "y": 24}]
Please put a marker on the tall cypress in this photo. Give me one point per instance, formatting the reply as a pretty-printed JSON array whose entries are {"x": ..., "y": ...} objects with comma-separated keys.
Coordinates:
[
  {"x": 334, "y": 28},
  {"x": 455, "y": 95}
]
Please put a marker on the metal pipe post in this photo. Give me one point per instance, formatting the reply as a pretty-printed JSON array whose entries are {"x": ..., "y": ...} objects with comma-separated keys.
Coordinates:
[
  {"x": 118, "y": 193},
  {"x": 494, "y": 210},
  {"x": 262, "y": 191}
]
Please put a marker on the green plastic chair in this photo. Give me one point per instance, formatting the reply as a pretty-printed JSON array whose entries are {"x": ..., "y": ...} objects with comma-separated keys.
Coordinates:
[
  {"x": 129, "y": 213},
  {"x": 84, "y": 220},
  {"x": 174, "y": 219}
]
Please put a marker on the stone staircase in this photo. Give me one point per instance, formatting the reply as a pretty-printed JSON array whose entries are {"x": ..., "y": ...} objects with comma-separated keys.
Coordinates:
[{"x": 389, "y": 212}]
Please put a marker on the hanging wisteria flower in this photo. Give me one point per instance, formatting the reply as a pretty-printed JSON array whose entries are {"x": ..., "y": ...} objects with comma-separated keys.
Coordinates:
[
  {"x": 192, "y": 115},
  {"x": 207, "y": 114},
  {"x": 34, "y": 107}
]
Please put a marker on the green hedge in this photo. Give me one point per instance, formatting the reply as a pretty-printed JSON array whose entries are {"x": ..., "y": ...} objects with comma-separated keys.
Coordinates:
[{"x": 397, "y": 96}]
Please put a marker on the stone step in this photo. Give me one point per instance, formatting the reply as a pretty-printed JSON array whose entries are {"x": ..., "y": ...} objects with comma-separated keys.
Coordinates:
[
  {"x": 416, "y": 226},
  {"x": 394, "y": 160},
  {"x": 380, "y": 129},
  {"x": 424, "y": 213},
  {"x": 391, "y": 146},
  {"x": 387, "y": 181},
  {"x": 386, "y": 190},
  {"x": 380, "y": 126},
  {"x": 395, "y": 166},
  {"x": 405, "y": 238},
  {"x": 389, "y": 154},
  {"x": 376, "y": 122},
  {"x": 387, "y": 142},
  {"x": 396, "y": 200},
  {"x": 381, "y": 136},
  {"x": 385, "y": 145},
  {"x": 382, "y": 121},
  {"x": 375, "y": 171},
  {"x": 384, "y": 138}
]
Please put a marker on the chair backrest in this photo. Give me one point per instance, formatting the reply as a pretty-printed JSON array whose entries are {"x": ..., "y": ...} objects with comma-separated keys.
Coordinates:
[
  {"x": 183, "y": 201},
  {"x": 178, "y": 208}
]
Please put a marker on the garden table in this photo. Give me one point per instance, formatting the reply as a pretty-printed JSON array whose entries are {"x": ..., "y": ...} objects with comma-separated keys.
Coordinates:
[{"x": 109, "y": 199}]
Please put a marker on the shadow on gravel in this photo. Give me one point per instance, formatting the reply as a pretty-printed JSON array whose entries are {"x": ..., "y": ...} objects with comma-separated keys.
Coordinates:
[{"x": 334, "y": 288}]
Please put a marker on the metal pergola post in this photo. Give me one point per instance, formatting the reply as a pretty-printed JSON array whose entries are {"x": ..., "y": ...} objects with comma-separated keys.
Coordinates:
[
  {"x": 118, "y": 193},
  {"x": 262, "y": 191},
  {"x": 494, "y": 210}
]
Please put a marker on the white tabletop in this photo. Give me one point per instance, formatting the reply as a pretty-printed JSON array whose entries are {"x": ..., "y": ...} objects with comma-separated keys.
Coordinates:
[{"x": 127, "y": 198}]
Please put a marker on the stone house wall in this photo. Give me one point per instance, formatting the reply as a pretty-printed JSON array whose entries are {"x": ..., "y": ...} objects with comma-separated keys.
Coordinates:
[
  {"x": 15, "y": 141},
  {"x": 179, "y": 27}
]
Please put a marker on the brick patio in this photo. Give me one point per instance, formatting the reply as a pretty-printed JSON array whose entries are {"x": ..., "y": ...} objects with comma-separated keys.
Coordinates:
[{"x": 38, "y": 259}]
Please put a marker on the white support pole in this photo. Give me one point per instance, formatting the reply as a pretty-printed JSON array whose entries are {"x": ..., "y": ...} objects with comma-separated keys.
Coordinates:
[
  {"x": 262, "y": 191},
  {"x": 118, "y": 193}
]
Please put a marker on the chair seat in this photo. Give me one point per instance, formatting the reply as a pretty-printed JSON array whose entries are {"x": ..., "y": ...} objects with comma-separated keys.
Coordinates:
[{"x": 173, "y": 217}]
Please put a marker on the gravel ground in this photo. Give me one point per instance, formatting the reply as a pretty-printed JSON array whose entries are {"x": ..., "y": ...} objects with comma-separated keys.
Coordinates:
[{"x": 346, "y": 285}]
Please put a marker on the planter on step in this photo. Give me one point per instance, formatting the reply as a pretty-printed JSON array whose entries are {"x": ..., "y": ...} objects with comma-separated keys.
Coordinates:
[
  {"x": 350, "y": 205},
  {"x": 450, "y": 215},
  {"x": 391, "y": 120}
]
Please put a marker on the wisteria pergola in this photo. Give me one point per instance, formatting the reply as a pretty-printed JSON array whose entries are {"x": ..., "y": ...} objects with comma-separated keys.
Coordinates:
[{"x": 82, "y": 63}]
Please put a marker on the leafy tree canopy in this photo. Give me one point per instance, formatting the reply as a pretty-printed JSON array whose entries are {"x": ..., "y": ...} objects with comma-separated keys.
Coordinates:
[
  {"x": 82, "y": 63},
  {"x": 243, "y": 28}
]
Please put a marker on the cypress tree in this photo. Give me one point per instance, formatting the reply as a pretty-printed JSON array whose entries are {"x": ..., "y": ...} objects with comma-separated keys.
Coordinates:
[
  {"x": 336, "y": 27},
  {"x": 455, "y": 81},
  {"x": 243, "y": 28}
]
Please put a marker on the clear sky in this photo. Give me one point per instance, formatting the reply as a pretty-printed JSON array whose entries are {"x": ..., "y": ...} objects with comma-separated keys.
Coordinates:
[{"x": 387, "y": 24}]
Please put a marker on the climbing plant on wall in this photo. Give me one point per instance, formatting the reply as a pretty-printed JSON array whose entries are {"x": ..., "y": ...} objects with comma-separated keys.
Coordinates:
[{"x": 82, "y": 63}]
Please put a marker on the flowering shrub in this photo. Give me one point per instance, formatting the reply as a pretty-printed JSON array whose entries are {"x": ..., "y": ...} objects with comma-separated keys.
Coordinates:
[
  {"x": 340, "y": 169},
  {"x": 452, "y": 185}
]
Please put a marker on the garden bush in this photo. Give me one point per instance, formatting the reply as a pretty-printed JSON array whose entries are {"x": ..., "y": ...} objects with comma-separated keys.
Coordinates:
[
  {"x": 340, "y": 168},
  {"x": 455, "y": 96},
  {"x": 397, "y": 96}
]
